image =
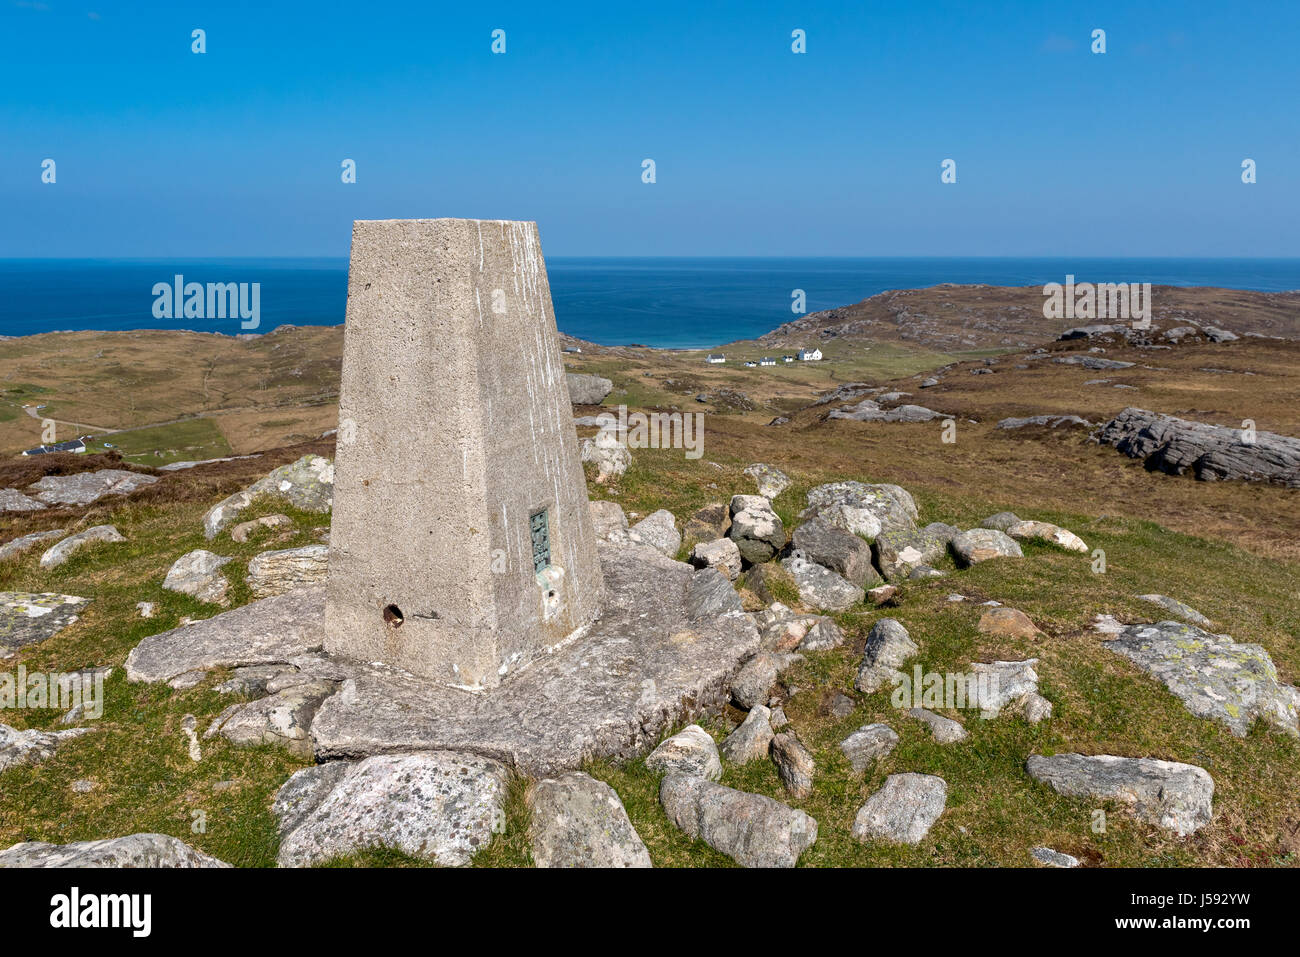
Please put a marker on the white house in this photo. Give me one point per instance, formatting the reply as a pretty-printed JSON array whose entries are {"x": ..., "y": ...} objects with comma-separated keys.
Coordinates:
[
  {"x": 767, "y": 361},
  {"x": 76, "y": 445},
  {"x": 810, "y": 355},
  {"x": 712, "y": 359},
  {"x": 787, "y": 358}
]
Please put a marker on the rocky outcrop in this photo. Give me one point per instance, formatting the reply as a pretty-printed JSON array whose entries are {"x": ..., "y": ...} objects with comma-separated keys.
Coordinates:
[
  {"x": 32, "y": 746},
  {"x": 12, "y": 500},
  {"x": 587, "y": 389},
  {"x": 65, "y": 549},
  {"x": 23, "y": 543},
  {"x": 198, "y": 574},
  {"x": 868, "y": 410},
  {"x": 135, "y": 850},
  {"x": 753, "y": 830},
  {"x": 1210, "y": 452},
  {"x": 1046, "y": 421},
  {"x": 578, "y": 821},
  {"x": 307, "y": 484},
  {"x": 87, "y": 487},
  {"x": 1175, "y": 796},
  {"x": 277, "y": 572},
  {"x": 27, "y": 618}
]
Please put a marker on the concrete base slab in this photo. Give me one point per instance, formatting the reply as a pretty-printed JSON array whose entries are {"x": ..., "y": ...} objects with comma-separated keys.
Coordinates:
[{"x": 646, "y": 664}]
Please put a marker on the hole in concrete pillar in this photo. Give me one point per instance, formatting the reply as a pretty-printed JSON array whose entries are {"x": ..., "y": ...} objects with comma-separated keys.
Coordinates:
[{"x": 393, "y": 616}]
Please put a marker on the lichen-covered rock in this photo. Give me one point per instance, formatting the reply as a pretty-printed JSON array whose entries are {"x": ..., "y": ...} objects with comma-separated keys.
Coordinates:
[
  {"x": 844, "y": 553},
  {"x": 869, "y": 743},
  {"x": 981, "y": 544},
  {"x": 903, "y": 810},
  {"x": 750, "y": 741},
  {"x": 282, "y": 719},
  {"x": 86, "y": 487},
  {"x": 283, "y": 570},
  {"x": 721, "y": 554},
  {"x": 710, "y": 522},
  {"x": 753, "y": 683},
  {"x": 198, "y": 574},
  {"x": 690, "y": 751},
  {"x": 12, "y": 500},
  {"x": 1047, "y": 532},
  {"x": 1175, "y": 796},
  {"x": 755, "y": 528},
  {"x": 61, "y": 552},
  {"x": 819, "y": 587},
  {"x": 1215, "y": 677},
  {"x": 442, "y": 806},
  {"x": 134, "y": 850},
  {"x": 901, "y": 551},
  {"x": 794, "y": 763},
  {"x": 32, "y": 746},
  {"x": 25, "y": 542},
  {"x": 578, "y": 821},
  {"x": 753, "y": 830},
  {"x": 862, "y": 509},
  {"x": 944, "y": 730},
  {"x": 889, "y": 647},
  {"x": 587, "y": 389},
  {"x": 307, "y": 484},
  {"x": 771, "y": 481},
  {"x": 1176, "y": 607},
  {"x": 27, "y": 618}
]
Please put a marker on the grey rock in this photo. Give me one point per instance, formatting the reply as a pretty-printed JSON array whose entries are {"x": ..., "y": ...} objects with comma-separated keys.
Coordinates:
[
  {"x": 31, "y": 747},
  {"x": 282, "y": 719},
  {"x": 869, "y": 743},
  {"x": 889, "y": 647},
  {"x": 264, "y": 632},
  {"x": 929, "y": 383},
  {"x": 903, "y": 810},
  {"x": 819, "y": 587},
  {"x": 307, "y": 484},
  {"x": 868, "y": 410},
  {"x": 1093, "y": 362},
  {"x": 26, "y": 542},
  {"x": 27, "y": 618},
  {"x": 607, "y": 519},
  {"x": 822, "y": 636},
  {"x": 610, "y": 456},
  {"x": 198, "y": 574},
  {"x": 862, "y": 509},
  {"x": 1003, "y": 684},
  {"x": 60, "y": 553},
  {"x": 753, "y": 684},
  {"x": 1050, "y": 858},
  {"x": 1169, "y": 794},
  {"x": 587, "y": 389},
  {"x": 135, "y": 850},
  {"x": 842, "y": 552},
  {"x": 251, "y": 681},
  {"x": 709, "y": 523},
  {"x": 12, "y": 500},
  {"x": 283, "y": 570},
  {"x": 86, "y": 487},
  {"x": 771, "y": 481},
  {"x": 711, "y": 595},
  {"x": 691, "y": 751},
  {"x": 578, "y": 821},
  {"x": 753, "y": 830},
  {"x": 1049, "y": 421},
  {"x": 794, "y": 763},
  {"x": 1215, "y": 677},
  {"x": 1211, "y": 452},
  {"x": 944, "y": 730},
  {"x": 441, "y": 806},
  {"x": 243, "y": 530},
  {"x": 981, "y": 544},
  {"x": 659, "y": 531},
  {"x": 1001, "y": 521},
  {"x": 755, "y": 528},
  {"x": 752, "y": 739},
  {"x": 1185, "y": 612},
  {"x": 721, "y": 554},
  {"x": 899, "y": 552},
  {"x": 1047, "y": 532}
]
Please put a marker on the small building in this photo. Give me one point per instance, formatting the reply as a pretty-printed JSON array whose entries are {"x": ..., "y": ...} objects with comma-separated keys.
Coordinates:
[
  {"x": 750, "y": 364},
  {"x": 787, "y": 358},
  {"x": 572, "y": 349},
  {"x": 767, "y": 361},
  {"x": 715, "y": 359},
  {"x": 810, "y": 355},
  {"x": 75, "y": 445}
]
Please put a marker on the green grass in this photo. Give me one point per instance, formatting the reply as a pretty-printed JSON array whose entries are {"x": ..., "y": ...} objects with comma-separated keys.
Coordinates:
[{"x": 190, "y": 440}]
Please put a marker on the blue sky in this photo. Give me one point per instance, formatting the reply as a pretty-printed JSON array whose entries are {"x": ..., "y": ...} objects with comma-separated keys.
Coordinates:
[{"x": 759, "y": 151}]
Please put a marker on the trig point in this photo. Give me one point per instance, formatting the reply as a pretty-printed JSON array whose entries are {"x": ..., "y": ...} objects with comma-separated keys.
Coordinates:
[{"x": 461, "y": 546}]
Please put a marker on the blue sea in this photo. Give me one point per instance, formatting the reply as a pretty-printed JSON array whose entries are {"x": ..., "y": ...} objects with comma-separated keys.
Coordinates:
[{"x": 665, "y": 302}]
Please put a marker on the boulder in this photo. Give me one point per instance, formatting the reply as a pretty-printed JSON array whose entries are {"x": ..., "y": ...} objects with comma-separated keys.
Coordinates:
[
  {"x": 1050, "y": 858},
  {"x": 709, "y": 523},
  {"x": 794, "y": 763},
  {"x": 721, "y": 553},
  {"x": 899, "y": 552},
  {"x": 32, "y": 746},
  {"x": 307, "y": 484},
  {"x": 441, "y": 806},
  {"x": 770, "y": 480},
  {"x": 27, "y": 618},
  {"x": 1007, "y": 684},
  {"x": 1233, "y": 683},
  {"x": 1176, "y": 607},
  {"x": 842, "y": 552},
  {"x": 1001, "y": 521},
  {"x": 753, "y": 830},
  {"x": 610, "y": 456},
  {"x": 822, "y": 636},
  {"x": 1177, "y": 797},
  {"x": 65, "y": 549},
  {"x": 865, "y": 510},
  {"x": 753, "y": 684},
  {"x": 889, "y": 647},
  {"x": 241, "y": 531},
  {"x": 587, "y": 389},
  {"x": 982, "y": 544},
  {"x": 607, "y": 519},
  {"x": 691, "y": 751},
  {"x": 903, "y": 810},
  {"x": 659, "y": 531},
  {"x": 134, "y": 850},
  {"x": 944, "y": 730},
  {"x": 869, "y": 743},
  {"x": 1010, "y": 622},
  {"x": 752, "y": 740},
  {"x": 755, "y": 528},
  {"x": 1047, "y": 532},
  {"x": 198, "y": 574},
  {"x": 819, "y": 587},
  {"x": 1210, "y": 452},
  {"x": 25, "y": 542},
  {"x": 86, "y": 487},
  {"x": 282, "y": 719},
  {"x": 277, "y": 572},
  {"x": 578, "y": 821}
]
